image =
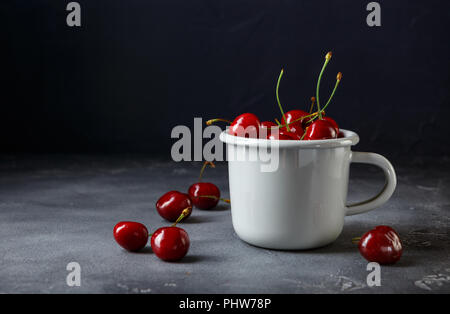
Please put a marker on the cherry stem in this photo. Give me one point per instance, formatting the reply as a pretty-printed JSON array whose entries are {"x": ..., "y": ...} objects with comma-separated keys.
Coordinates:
[
  {"x": 327, "y": 59},
  {"x": 209, "y": 122},
  {"x": 338, "y": 80},
  {"x": 226, "y": 200},
  {"x": 278, "y": 99},
  {"x": 304, "y": 133},
  {"x": 313, "y": 100},
  {"x": 184, "y": 213},
  {"x": 210, "y": 163}
]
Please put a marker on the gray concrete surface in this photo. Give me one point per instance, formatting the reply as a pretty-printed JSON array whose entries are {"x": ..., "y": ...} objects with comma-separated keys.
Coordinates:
[{"x": 59, "y": 209}]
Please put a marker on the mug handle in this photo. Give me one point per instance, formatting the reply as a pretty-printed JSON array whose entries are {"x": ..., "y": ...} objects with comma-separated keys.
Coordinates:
[{"x": 386, "y": 192}]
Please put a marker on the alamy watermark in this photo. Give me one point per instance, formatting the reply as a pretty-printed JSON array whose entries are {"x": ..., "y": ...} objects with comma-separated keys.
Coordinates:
[
  {"x": 374, "y": 17},
  {"x": 374, "y": 277},
  {"x": 73, "y": 279},
  {"x": 250, "y": 146},
  {"x": 74, "y": 16}
]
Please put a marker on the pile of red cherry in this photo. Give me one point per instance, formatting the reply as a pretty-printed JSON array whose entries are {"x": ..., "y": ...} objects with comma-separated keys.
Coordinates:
[
  {"x": 381, "y": 244},
  {"x": 296, "y": 124},
  {"x": 170, "y": 243}
]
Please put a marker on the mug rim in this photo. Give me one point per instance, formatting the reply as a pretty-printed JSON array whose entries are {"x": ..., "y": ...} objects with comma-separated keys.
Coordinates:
[{"x": 350, "y": 138}]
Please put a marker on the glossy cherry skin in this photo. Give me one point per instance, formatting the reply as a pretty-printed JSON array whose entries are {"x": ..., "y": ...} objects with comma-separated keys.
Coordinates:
[
  {"x": 284, "y": 135},
  {"x": 245, "y": 125},
  {"x": 278, "y": 134},
  {"x": 204, "y": 188},
  {"x": 267, "y": 126},
  {"x": 132, "y": 236},
  {"x": 333, "y": 123},
  {"x": 381, "y": 245},
  {"x": 320, "y": 130},
  {"x": 171, "y": 205},
  {"x": 298, "y": 126},
  {"x": 281, "y": 136},
  {"x": 170, "y": 243}
]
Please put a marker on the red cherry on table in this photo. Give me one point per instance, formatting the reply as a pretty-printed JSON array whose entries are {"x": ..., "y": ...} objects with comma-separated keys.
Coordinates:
[
  {"x": 320, "y": 130},
  {"x": 381, "y": 245},
  {"x": 171, "y": 205},
  {"x": 333, "y": 123},
  {"x": 170, "y": 243},
  {"x": 245, "y": 125},
  {"x": 132, "y": 236},
  {"x": 298, "y": 126},
  {"x": 204, "y": 195}
]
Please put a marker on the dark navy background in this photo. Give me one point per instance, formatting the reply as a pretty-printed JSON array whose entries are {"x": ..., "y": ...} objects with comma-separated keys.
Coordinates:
[{"x": 137, "y": 68}]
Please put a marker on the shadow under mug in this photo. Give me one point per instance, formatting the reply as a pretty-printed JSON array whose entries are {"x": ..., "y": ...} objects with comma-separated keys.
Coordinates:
[{"x": 302, "y": 202}]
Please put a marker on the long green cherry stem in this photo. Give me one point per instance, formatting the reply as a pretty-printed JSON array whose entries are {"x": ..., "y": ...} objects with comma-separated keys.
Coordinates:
[
  {"x": 327, "y": 59},
  {"x": 278, "y": 99},
  {"x": 338, "y": 80}
]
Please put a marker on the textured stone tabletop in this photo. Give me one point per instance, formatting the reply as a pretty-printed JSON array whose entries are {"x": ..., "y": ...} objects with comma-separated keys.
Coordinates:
[{"x": 55, "y": 210}]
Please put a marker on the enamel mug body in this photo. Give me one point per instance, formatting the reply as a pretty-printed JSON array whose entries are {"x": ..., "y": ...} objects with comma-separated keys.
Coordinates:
[{"x": 300, "y": 201}]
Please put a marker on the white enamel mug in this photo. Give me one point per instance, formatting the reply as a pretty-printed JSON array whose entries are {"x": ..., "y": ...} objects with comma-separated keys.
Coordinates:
[{"x": 301, "y": 203}]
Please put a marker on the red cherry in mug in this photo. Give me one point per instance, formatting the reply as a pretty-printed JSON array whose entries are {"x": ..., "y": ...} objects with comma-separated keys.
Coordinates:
[
  {"x": 268, "y": 126},
  {"x": 245, "y": 125},
  {"x": 282, "y": 136},
  {"x": 293, "y": 135},
  {"x": 132, "y": 236},
  {"x": 298, "y": 126},
  {"x": 333, "y": 123},
  {"x": 320, "y": 130},
  {"x": 285, "y": 135},
  {"x": 170, "y": 243},
  {"x": 204, "y": 195},
  {"x": 381, "y": 245},
  {"x": 275, "y": 133},
  {"x": 171, "y": 205}
]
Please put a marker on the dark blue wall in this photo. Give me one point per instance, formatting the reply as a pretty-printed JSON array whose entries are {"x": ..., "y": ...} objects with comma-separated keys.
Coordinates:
[{"x": 137, "y": 68}]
